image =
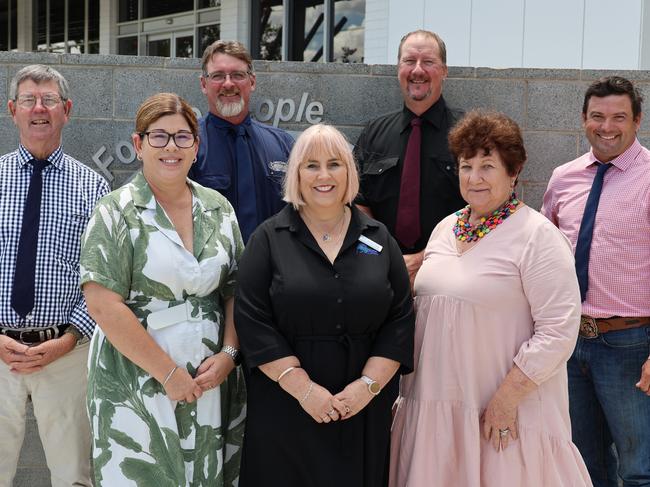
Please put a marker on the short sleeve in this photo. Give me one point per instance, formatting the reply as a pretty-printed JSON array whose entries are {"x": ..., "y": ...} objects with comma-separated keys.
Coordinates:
[
  {"x": 395, "y": 337},
  {"x": 237, "y": 249},
  {"x": 550, "y": 284},
  {"x": 548, "y": 203},
  {"x": 260, "y": 340},
  {"x": 106, "y": 249}
]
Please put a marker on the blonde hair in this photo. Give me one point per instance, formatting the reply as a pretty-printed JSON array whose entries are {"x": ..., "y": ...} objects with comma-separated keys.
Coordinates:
[{"x": 319, "y": 139}]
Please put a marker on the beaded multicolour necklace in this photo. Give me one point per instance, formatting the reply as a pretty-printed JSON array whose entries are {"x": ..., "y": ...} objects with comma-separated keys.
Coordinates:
[{"x": 465, "y": 232}]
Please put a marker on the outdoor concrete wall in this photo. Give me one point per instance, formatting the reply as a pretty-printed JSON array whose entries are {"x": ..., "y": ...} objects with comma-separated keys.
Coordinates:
[{"x": 106, "y": 91}]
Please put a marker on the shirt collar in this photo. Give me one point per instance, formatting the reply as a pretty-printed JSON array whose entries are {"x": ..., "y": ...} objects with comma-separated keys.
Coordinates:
[
  {"x": 55, "y": 158},
  {"x": 143, "y": 197},
  {"x": 434, "y": 115},
  {"x": 220, "y": 123},
  {"x": 623, "y": 161},
  {"x": 288, "y": 218}
]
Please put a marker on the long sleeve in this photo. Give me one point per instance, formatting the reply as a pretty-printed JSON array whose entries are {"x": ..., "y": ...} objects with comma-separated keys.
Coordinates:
[{"x": 550, "y": 284}]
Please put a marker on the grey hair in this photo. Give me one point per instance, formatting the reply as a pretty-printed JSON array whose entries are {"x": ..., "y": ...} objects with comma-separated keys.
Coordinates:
[{"x": 39, "y": 73}]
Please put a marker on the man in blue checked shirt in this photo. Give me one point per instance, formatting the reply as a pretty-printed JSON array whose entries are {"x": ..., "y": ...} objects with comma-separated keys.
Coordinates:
[{"x": 46, "y": 198}]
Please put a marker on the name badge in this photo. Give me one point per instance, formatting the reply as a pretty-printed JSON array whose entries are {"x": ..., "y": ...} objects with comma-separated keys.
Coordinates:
[{"x": 370, "y": 243}]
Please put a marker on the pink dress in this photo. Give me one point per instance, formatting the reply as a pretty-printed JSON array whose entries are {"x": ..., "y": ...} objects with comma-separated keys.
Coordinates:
[{"x": 511, "y": 299}]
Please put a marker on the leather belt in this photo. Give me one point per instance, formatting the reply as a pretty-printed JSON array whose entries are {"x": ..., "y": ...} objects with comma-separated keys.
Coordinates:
[
  {"x": 593, "y": 327},
  {"x": 30, "y": 336}
]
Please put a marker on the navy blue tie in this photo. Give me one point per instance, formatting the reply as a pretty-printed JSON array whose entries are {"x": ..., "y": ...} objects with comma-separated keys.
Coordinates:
[
  {"x": 583, "y": 244},
  {"x": 22, "y": 293},
  {"x": 246, "y": 196}
]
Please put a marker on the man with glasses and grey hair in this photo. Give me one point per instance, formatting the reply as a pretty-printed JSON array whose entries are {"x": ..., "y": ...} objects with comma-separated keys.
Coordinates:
[
  {"x": 239, "y": 157},
  {"x": 46, "y": 198}
]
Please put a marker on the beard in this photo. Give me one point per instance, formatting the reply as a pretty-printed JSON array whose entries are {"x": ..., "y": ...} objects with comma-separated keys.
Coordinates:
[
  {"x": 420, "y": 96},
  {"x": 229, "y": 109}
]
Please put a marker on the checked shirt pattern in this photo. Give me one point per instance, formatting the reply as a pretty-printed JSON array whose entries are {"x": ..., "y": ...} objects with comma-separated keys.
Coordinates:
[{"x": 70, "y": 191}]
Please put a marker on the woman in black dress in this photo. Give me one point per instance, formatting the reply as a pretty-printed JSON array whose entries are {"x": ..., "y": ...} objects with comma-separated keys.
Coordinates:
[{"x": 324, "y": 316}]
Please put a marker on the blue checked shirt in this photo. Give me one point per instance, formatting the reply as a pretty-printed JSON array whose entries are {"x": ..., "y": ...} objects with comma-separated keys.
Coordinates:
[{"x": 70, "y": 191}]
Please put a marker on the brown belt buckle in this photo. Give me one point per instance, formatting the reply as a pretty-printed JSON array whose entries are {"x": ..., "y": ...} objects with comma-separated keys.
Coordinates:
[{"x": 588, "y": 327}]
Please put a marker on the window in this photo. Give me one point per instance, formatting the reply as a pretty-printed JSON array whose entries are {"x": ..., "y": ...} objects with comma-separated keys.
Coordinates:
[
  {"x": 8, "y": 25},
  {"x": 80, "y": 34},
  {"x": 169, "y": 28},
  {"x": 318, "y": 30}
]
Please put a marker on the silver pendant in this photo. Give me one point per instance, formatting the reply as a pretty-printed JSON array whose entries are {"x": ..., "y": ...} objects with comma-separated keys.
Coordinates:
[{"x": 327, "y": 237}]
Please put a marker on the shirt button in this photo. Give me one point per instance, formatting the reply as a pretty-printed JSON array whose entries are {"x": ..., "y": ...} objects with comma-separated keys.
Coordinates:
[
  {"x": 339, "y": 300},
  {"x": 448, "y": 168},
  {"x": 193, "y": 413},
  {"x": 339, "y": 326},
  {"x": 336, "y": 276}
]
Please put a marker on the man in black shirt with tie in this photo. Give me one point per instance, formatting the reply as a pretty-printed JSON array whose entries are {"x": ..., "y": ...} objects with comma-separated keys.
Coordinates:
[{"x": 408, "y": 176}]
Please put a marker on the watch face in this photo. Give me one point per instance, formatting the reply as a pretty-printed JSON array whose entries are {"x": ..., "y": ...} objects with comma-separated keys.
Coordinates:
[{"x": 374, "y": 388}]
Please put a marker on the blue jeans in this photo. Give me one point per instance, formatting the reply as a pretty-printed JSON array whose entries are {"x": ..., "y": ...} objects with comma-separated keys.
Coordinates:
[{"x": 610, "y": 417}]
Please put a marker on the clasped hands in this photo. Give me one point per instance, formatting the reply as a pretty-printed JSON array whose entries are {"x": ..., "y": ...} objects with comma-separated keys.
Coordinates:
[
  {"x": 27, "y": 359},
  {"x": 181, "y": 386},
  {"x": 325, "y": 407}
]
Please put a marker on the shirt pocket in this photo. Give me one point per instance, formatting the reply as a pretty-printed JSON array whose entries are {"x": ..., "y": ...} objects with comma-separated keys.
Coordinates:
[
  {"x": 380, "y": 179},
  {"x": 68, "y": 228}
]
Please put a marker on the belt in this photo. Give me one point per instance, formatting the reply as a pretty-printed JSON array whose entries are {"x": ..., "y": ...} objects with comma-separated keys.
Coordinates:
[
  {"x": 30, "y": 336},
  {"x": 592, "y": 327}
]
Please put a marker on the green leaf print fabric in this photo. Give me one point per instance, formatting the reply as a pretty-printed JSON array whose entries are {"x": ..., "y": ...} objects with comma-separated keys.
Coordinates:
[{"x": 142, "y": 438}]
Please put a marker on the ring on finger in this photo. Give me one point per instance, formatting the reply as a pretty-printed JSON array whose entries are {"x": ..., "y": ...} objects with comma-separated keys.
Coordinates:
[
  {"x": 504, "y": 432},
  {"x": 331, "y": 412},
  {"x": 347, "y": 409}
]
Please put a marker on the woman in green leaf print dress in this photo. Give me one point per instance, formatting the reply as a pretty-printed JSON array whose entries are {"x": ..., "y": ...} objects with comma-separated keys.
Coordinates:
[{"x": 159, "y": 261}]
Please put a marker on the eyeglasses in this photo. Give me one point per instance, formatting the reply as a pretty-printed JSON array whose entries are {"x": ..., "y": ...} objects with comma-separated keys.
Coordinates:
[
  {"x": 160, "y": 139},
  {"x": 220, "y": 76},
  {"x": 49, "y": 100}
]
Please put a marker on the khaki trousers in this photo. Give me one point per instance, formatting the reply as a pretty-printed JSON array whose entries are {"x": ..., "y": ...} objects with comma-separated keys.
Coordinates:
[{"x": 59, "y": 397}]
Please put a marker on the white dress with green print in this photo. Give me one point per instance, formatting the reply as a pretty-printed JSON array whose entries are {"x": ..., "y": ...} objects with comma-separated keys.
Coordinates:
[{"x": 142, "y": 438}]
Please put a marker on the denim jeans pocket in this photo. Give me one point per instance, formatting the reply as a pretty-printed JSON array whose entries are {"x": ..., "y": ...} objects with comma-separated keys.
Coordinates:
[{"x": 633, "y": 338}]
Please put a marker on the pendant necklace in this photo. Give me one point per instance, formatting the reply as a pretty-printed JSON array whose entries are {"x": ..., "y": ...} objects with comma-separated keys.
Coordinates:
[{"x": 328, "y": 236}]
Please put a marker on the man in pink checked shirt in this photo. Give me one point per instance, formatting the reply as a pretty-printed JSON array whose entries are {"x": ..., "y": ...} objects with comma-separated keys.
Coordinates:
[{"x": 601, "y": 202}]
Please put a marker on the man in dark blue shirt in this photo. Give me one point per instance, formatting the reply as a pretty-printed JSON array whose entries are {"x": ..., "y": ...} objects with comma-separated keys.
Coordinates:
[{"x": 239, "y": 157}]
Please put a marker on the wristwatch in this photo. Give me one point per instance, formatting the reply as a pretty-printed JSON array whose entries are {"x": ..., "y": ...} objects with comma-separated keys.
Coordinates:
[
  {"x": 233, "y": 352},
  {"x": 373, "y": 386}
]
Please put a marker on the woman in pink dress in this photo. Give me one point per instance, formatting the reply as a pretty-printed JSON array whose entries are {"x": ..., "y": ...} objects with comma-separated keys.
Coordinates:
[{"x": 498, "y": 309}]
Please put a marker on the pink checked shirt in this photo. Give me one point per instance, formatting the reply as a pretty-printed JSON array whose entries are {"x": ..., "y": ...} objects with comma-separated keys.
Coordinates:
[{"x": 619, "y": 262}]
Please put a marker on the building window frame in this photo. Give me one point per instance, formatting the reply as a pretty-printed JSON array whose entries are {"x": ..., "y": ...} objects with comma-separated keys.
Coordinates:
[
  {"x": 48, "y": 46},
  {"x": 288, "y": 11},
  {"x": 168, "y": 24}
]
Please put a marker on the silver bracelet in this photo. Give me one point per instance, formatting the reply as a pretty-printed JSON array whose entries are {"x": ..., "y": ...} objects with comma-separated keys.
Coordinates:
[
  {"x": 169, "y": 376},
  {"x": 311, "y": 386},
  {"x": 286, "y": 371}
]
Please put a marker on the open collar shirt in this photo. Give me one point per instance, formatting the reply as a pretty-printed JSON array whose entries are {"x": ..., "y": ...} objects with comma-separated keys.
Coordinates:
[
  {"x": 619, "y": 262},
  {"x": 70, "y": 191}
]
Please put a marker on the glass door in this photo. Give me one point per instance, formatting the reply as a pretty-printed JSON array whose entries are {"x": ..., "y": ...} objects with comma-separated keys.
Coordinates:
[{"x": 171, "y": 44}]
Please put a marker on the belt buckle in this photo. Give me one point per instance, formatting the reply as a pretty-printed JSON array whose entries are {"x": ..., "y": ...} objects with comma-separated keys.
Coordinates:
[{"x": 588, "y": 327}]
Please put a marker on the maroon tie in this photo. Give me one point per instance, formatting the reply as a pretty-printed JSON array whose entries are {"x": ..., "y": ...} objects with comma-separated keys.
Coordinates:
[{"x": 407, "y": 228}]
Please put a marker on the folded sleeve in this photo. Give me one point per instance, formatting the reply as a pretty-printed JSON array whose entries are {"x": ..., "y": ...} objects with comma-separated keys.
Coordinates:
[
  {"x": 259, "y": 338},
  {"x": 550, "y": 284},
  {"x": 106, "y": 249}
]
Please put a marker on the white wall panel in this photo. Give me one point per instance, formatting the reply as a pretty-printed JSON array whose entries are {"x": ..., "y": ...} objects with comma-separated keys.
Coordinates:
[
  {"x": 404, "y": 16},
  {"x": 553, "y": 33},
  {"x": 612, "y": 34},
  {"x": 451, "y": 20},
  {"x": 497, "y": 33}
]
